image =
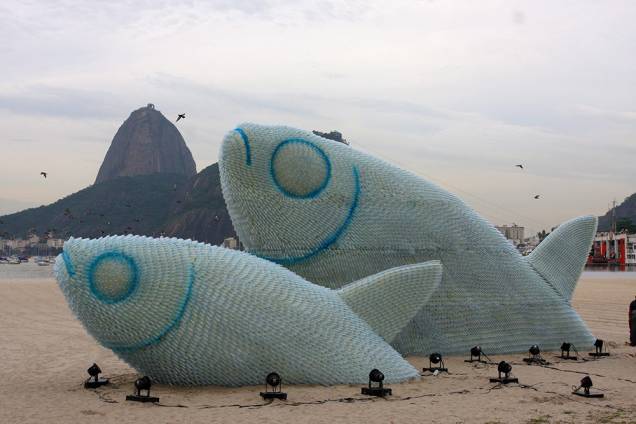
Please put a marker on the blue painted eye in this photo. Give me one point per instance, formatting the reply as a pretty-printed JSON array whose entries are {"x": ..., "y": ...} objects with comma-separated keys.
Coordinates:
[
  {"x": 113, "y": 277},
  {"x": 299, "y": 168}
]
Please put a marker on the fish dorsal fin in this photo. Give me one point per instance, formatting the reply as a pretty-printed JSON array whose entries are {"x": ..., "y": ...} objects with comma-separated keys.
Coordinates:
[
  {"x": 560, "y": 258},
  {"x": 388, "y": 301}
]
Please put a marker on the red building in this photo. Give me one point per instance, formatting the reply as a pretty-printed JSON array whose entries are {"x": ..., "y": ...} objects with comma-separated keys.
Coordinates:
[{"x": 613, "y": 248}]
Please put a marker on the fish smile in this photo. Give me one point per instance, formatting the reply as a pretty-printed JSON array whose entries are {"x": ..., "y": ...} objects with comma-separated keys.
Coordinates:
[
  {"x": 333, "y": 238},
  {"x": 168, "y": 328}
]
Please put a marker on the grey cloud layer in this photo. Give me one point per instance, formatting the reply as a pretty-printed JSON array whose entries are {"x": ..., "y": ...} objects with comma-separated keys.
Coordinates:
[{"x": 458, "y": 91}]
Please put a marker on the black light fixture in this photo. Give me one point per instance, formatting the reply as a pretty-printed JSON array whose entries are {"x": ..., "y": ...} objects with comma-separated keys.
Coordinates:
[
  {"x": 565, "y": 351},
  {"x": 476, "y": 353},
  {"x": 586, "y": 384},
  {"x": 504, "y": 369},
  {"x": 437, "y": 359},
  {"x": 376, "y": 387},
  {"x": 94, "y": 381},
  {"x": 598, "y": 349},
  {"x": 534, "y": 356},
  {"x": 143, "y": 383},
  {"x": 274, "y": 381}
]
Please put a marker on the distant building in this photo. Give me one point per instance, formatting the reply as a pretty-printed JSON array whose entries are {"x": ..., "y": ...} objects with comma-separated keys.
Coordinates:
[
  {"x": 512, "y": 232},
  {"x": 618, "y": 248},
  {"x": 56, "y": 243},
  {"x": 232, "y": 243}
]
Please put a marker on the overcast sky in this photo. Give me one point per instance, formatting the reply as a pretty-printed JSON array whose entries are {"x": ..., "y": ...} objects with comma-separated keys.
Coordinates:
[{"x": 457, "y": 92}]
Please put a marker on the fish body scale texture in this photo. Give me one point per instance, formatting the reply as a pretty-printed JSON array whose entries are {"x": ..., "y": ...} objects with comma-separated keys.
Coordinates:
[
  {"x": 372, "y": 216},
  {"x": 206, "y": 315}
]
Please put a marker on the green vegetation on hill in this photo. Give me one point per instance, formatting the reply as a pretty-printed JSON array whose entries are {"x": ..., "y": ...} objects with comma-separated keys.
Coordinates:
[
  {"x": 625, "y": 216},
  {"x": 152, "y": 205}
]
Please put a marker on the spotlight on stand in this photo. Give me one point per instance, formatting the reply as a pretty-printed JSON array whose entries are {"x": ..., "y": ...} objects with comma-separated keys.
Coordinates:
[
  {"x": 586, "y": 384},
  {"x": 598, "y": 346},
  {"x": 534, "y": 356},
  {"x": 435, "y": 358},
  {"x": 274, "y": 381},
  {"x": 565, "y": 351},
  {"x": 94, "y": 381},
  {"x": 376, "y": 387},
  {"x": 504, "y": 369},
  {"x": 142, "y": 383},
  {"x": 476, "y": 353}
]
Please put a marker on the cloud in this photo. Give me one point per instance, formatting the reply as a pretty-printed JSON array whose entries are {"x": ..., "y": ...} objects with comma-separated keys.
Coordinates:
[
  {"x": 595, "y": 112},
  {"x": 39, "y": 99},
  {"x": 456, "y": 91}
]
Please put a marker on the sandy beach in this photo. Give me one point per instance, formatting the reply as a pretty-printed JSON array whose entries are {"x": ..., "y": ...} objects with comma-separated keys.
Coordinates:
[{"x": 44, "y": 353}]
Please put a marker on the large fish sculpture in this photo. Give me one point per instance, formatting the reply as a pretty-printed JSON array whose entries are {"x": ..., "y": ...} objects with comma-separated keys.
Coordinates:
[
  {"x": 333, "y": 215},
  {"x": 188, "y": 313}
]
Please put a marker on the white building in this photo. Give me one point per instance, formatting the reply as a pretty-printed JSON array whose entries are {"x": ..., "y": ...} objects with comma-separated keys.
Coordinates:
[
  {"x": 512, "y": 232},
  {"x": 231, "y": 243}
]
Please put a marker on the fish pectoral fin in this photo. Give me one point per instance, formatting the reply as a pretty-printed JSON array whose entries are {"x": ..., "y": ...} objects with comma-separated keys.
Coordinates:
[
  {"x": 560, "y": 258},
  {"x": 388, "y": 301}
]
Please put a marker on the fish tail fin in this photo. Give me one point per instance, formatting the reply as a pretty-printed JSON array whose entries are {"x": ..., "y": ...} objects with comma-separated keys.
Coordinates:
[
  {"x": 560, "y": 258},
  {"x": 388, "y": 300}
]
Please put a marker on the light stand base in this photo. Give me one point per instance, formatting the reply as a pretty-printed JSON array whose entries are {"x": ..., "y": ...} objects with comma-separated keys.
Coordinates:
[
  {"x": 274, "y": 395},
  {"x": 597, "y": 354},
  {"x": 571, "y": 358},
  {"x": 504, "y": 380},
  {"x": 539, "y": 361},
  {"x": 376, "y": 391},
  {"x": 144, "y": 399},
  {"x": 92, "y": 384},
  {"x": 475, "y": 360},
  {"x": 589, "y": 395},
  {"x": 433, "y": 369}
]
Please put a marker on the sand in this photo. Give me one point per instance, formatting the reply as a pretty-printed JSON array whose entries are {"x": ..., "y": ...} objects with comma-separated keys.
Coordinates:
[{"x": 44, "y": 353}]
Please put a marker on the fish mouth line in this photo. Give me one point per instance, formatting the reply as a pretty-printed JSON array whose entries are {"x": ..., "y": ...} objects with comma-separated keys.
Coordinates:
[
  {"x": 333, "y": 238},
  {"x": 174, "y": 323}
]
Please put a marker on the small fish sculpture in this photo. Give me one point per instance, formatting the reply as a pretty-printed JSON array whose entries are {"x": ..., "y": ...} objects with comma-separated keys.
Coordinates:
[
  {"x": 333, "y": 215},
  {"x": 187, "y": 313}
]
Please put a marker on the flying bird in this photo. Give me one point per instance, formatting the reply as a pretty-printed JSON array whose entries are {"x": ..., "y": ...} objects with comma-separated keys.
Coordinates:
[
  {"x": 43, "y": 174},
  {"x": 180, "y": 116},
  {"x": 519, "y": 166},
  {"x": 536, "y": 196}
]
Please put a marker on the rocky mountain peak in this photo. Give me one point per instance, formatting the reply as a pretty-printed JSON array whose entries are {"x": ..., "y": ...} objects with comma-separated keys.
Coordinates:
[{"x": 146, "y": 143}]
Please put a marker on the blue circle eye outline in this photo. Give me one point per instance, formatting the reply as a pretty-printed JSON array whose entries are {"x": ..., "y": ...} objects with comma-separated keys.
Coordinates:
[
  {"x": 314, "y": 193},
  {"x": 133, "y": 282}
]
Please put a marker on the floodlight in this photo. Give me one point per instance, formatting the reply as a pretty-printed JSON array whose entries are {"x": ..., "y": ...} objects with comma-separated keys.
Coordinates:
[
  {"x": 586, "y": 384},
  {"x": 475, "y": 355},
  {"x": 534, "y": 356},
  {"x": 376, "y": 386},
  {"x": 94, "y": 381},
  {"x": 435, "y": 358},
  {"x": 598, "y": 346},
  {"x": 504, "y": 369},
  {"x": 143, "y": 383},
  {"x": 274, "y": 381},
  {"x": 534, "y": 350},
  {"x": 565, "y": 351}
]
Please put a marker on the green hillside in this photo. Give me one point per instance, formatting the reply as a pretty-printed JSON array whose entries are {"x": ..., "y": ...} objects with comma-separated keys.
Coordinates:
[
  {"x": 625, "y": 215},
  {"x": 168, "y": 204}
]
